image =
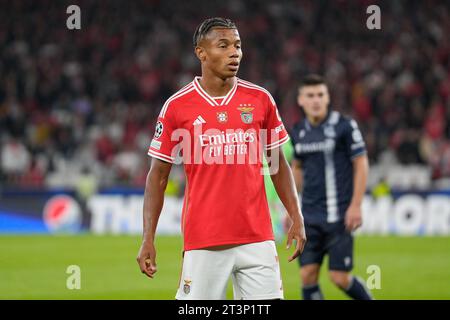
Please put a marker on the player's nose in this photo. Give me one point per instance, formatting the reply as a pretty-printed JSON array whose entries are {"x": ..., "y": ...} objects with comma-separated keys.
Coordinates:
[{"x": 234, "y": 54}]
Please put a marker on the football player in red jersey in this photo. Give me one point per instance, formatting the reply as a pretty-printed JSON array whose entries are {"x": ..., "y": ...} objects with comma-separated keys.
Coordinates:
[{"x": 226, "y": 225}]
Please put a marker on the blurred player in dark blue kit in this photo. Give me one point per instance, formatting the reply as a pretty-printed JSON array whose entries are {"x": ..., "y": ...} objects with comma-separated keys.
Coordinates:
[{"x": 330, "y": 168}]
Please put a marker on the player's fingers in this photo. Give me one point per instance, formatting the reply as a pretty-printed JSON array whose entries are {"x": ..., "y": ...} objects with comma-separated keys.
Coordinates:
[
  {"x": 349, "y": 225},
  {"x": 302, "y": 244},
  {"x": 151, "y": 265},
  {"x": 289, "y": 241},
  {"x": 140, "y": 263},
  {"x": 143, "y": 266},
  {"x": 294, "y": 255},
  {"x": 297, "y": 249},
  {"x": 348, "y": 219},
  {"x": 355, "y": 223},
  {"x": 360, "y": 221}
]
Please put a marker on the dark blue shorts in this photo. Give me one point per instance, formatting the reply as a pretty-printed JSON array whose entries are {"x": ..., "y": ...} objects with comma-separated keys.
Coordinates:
[{"x": 328, "y": 238}]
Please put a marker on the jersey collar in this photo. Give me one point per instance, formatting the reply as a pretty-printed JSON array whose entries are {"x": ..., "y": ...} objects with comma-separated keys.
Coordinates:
[
  {"x": 225, "y": 100},
  {"x": 309, "y": 126}
]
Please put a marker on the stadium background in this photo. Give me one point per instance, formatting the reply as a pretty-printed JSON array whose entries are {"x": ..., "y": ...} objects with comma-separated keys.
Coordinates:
[{"x": 78, "y": 108}]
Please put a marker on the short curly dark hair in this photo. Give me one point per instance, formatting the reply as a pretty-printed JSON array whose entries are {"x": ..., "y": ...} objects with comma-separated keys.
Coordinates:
[
  {"x": 311, "y": 80},
  {"x": 209, "y": 24}
]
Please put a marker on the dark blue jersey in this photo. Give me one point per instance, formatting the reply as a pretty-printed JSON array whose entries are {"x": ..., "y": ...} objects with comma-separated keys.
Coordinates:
[{"x": 326, "y": 152}]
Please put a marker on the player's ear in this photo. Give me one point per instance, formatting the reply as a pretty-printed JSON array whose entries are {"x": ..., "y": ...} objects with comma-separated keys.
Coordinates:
[
  {"x": 200, "y": 53},
  {"x": 327, "y": 96},
  {"x": 299, "y": 98}
]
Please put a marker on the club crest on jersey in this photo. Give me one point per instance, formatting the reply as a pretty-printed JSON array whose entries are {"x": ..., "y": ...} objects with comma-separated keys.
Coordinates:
[
  {"x": 187, "y": 286},
  {"x": 246, "y": 113},
  {"x": 301, "y": 134},
  {"x": 222, "y": 116}
]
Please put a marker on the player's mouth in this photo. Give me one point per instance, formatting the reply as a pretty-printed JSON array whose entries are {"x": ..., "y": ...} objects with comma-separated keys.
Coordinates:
[
  {"x": 317, "y": 108},
  {"x": 234, "y": 66}
]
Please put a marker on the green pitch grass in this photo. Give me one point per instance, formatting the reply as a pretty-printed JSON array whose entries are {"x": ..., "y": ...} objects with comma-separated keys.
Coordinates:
[{"x": 34, "y": 267}]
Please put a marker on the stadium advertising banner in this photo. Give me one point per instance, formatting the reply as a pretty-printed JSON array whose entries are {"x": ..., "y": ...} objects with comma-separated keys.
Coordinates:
[{"x": 120, "y": 212}]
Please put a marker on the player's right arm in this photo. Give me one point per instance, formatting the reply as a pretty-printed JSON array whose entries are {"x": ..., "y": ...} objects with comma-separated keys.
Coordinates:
[
  {"x": 162, "y": 150},
  {"x": 297, "y": 172},
  {"x": 155, "y": 187}
]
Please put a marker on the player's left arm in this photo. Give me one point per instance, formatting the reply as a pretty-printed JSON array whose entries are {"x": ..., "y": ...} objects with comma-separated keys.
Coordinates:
[
  {"x": 353, "y": 216},
  {"x": 357, "y": 151},
  {"x": 284, "y": 184},
  {"x": 282, "y": 178}
]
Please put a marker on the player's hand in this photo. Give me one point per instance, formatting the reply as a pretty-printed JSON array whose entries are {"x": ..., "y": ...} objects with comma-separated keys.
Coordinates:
[
  {"x": 147, "y": 258},
  {"x": 296, "y": 232},
  {"x": 353, "y": 218}
]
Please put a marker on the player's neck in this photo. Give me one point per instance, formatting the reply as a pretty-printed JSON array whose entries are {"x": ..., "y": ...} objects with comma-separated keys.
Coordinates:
[
  {"x": 215, "y": 86},
  {"x": 315, "y": 121}
]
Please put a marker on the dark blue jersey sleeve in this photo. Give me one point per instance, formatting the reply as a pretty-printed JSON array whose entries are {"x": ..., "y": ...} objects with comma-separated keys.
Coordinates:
[
  {"x": 353, "y": 139},
  {"x": 294, "y": 134}
]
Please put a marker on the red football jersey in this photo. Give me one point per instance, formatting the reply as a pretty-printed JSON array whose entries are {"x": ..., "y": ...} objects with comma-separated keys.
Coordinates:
[{"x": 220, "y": 142}]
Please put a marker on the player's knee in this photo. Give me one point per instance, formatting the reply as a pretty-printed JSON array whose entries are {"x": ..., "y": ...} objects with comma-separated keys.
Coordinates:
[
  {"x": 340, "y": 279},
  {"x": 309, "y": 275}
]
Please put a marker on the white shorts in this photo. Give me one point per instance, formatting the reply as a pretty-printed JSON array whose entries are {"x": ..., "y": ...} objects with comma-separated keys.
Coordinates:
[{"x": 254, "y": 268}]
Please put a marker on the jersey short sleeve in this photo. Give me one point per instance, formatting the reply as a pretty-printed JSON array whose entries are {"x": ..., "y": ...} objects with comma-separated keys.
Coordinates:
[
  {"x": 162, "y": 146},
  {"x": 354, "y": 142},
  {"x": 276, "y": 132},
  {"x": 293, "y": 134}
]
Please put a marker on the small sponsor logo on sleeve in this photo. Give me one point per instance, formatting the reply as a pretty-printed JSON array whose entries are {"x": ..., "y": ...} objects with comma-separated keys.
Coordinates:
[
  {"x": 279, "y": 128},
  {"x": 156, "y": 144}
]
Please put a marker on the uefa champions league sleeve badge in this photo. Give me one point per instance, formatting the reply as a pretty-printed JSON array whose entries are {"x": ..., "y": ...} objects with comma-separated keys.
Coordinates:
[{"x": 159, "y": 129}]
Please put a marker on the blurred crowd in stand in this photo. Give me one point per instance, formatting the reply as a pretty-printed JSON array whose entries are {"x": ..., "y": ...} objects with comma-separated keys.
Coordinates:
[{"x": 82, "y": 104}]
